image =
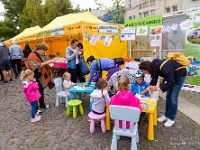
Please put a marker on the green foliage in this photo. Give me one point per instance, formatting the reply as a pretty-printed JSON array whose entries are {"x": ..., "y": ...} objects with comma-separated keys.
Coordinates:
[{"x": 28, "y": 13}]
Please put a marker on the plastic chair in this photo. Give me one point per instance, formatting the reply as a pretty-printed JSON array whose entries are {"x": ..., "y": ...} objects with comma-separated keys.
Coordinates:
[
  {"x": 132, "y": 116},
  {"x": 75, "y": 103},
  {"x": 94, "y": 117},
  {"x": 59, "y": 92}
]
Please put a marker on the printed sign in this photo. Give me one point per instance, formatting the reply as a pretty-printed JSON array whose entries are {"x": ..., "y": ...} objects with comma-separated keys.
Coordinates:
[
  {"x": 156, "y": 31},
  {"x": 186, "y": 24},
  {"x": 94, "y": 39},
  {"x": 57, "y": 31},
  {"x": 142, "y": 30},
  {"x": 128, "y": 34},
  {"x": 108, "y": 29},
  {"x": 107, "y": 41},
  {"x": 155, "y": 43}
]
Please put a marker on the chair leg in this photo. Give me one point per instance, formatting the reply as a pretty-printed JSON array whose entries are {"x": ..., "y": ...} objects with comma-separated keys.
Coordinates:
[
  {"x": 66, "y": 102},
  {"x": 118, "y": 137},
  {"x": 62, "y": 100},
  {"x": 103, "y": 126},
  {"x": 92, "y": 126},
  {"x": 133, "y": 144},
  {"x": 57, "y": 101},
  {"x": 74, "y": 112},
  {"x": 114, "y": 142},
  {"x": 68, "y": 111},
  {"x": 137, "y": 137},
  {"x": 81, "y": 110}
]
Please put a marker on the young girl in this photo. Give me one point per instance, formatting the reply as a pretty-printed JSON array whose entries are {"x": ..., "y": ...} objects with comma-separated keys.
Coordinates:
[
  {"x": 30, "y": 89},
  {"x": 125, "y": 97},
  {"x": 67, "y": 83},
  {"x": 100, "y": 97}
]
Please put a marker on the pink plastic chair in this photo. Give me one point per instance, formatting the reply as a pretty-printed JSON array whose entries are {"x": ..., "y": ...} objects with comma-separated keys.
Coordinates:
[{"x": 94, "y": 117}]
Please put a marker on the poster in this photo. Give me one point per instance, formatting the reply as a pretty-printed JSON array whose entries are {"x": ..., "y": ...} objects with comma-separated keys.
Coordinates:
[
  {"x": 192, "y": 49},
  {"x": 107, "y": 41},
  {"x": 142, "y": 31},
  {"x": 186, "y": 24},
  {"x": 154, "y": 31},
  {"x": 109, "y": 29},
  {"x": 155, "y": 43},
  {"x": 94, "y": 39},
  {"x": 127, "y": 34}
]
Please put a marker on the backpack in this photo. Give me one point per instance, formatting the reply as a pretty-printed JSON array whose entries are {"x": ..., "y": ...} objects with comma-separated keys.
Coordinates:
[{"x": 178, "y": 57}]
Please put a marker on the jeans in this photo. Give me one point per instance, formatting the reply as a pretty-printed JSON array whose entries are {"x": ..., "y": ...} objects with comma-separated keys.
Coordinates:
[
  {"x": 172, "y": 99},
  {"x": 18, "y": 63},
  {"x": 33, "y": 109}
]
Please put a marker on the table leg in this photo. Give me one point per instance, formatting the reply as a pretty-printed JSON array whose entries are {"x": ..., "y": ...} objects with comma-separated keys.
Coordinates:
[
  {"x": 150, "y": 128},
  {"x": 90, "y": 104},
  {"x": 71, "y": 98},
  {"x": 107, "y": 118},
  {"x": 155, "y": 117}
]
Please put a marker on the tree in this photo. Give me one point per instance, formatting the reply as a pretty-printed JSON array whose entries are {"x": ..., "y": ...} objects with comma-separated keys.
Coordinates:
[
  {"x": 116, "y": 12},
  {"x": 7, "y": 28}
]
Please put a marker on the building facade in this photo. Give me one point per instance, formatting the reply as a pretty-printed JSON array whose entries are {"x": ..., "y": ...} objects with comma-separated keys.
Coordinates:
[{"x": 144, "y": 8}]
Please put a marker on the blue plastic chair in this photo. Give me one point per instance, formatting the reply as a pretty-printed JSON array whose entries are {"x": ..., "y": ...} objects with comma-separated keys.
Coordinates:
[
  {"x": 124, "y": 114},
  {"x": 60, "y": 94}
]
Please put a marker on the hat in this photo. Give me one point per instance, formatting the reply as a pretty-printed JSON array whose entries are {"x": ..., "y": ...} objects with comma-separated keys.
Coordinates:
[{"x": 2, "y": 39}]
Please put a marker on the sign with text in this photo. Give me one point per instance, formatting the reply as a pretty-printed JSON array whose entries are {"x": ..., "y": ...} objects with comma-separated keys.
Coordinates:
[
  {"x": 142, "y": 31},
  {"x": 57, "y": 31},
  {"x": 155, "y": 43},
  {"x": 127, "y": 34},
  {"x": 108, "y": 29},
  {"x": 146, "y": 21}
]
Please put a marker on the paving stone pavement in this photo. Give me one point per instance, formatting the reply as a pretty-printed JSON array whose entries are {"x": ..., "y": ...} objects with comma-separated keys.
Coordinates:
[
  {"x": 56, "y": 131},
  {"x": 192, "y": 97}
]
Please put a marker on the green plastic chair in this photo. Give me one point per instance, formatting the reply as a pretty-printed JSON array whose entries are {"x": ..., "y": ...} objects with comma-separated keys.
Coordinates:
[{"x": 75, "y": 103}]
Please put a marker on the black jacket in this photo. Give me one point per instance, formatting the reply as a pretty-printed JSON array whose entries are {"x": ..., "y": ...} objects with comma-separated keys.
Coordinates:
[
  {"x": 27, "y": 52},
  {"x": 167, "y": 72}
]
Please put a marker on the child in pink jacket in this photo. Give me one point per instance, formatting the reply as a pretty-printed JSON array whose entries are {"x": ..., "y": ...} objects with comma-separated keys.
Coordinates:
[
  {"x": 30, "y": 89},
  {"x": 125, "y": 97}
]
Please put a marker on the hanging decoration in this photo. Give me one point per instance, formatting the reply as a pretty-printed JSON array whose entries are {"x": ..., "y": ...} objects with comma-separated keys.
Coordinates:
[
  {"x": 143, "y": 30},
  {"x": 156, "y": 31},
  {"x": 94, "y": 40},
  {"x": 174, "y": 27},
  {"x": 107, "y": 41},
  {"x": 186, "y": 25}
]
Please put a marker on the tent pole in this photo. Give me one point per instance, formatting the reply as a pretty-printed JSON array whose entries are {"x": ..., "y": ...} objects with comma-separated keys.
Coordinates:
[
  {"x": 129, "y": 42},
  {"x": 160, "y": 47}
]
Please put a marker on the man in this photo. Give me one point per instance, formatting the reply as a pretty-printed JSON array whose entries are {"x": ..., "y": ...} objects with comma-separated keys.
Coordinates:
[
  {"x": 16, "y": 54},
  {"x": 4, "y": 61}
]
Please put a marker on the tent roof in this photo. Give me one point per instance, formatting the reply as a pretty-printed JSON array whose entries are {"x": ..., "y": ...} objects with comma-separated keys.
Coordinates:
[
  {"x": 26, "y": 32},
  {"x": 85, "y": 17}
]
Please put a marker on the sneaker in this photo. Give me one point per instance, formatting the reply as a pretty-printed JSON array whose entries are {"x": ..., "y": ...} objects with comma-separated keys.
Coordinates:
[
  {"x": 169, "y": 123},
  {"x": 47, "y": 106},
  {"x": 38, "y": 112},
  {"x": 16, "y": 77},
  {"x": 11, "y": 80},
  {"x": 162, "y": 118},
  {"x": 5, "y": 82},
  {"x": 37, "y": 118}
]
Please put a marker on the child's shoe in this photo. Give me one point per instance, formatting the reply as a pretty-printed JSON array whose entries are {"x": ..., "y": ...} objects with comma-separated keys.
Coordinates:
[{"x": 37, "y": 118}]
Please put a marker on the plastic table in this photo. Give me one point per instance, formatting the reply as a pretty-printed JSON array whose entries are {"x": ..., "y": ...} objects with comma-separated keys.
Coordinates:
[
  {"x": 152, "y": 118},
  {"x": 80, "y": 90}
]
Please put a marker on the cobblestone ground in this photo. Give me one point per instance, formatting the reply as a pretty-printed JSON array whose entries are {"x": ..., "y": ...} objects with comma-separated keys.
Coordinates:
[
  {"x": 192, "y": 97},
  {"x": 57, "y": 132}
]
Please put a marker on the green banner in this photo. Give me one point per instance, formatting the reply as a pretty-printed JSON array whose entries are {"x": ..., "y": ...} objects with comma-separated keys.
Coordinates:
[{"x": 150, "y": 21}]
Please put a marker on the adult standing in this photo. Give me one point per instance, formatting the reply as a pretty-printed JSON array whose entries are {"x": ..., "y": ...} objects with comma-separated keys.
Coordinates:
[
  {"x": 27, "y": 50},
  {"x": 16, "y": 54},
  {"x": 173, "y": 82},
  {"x": 4, "y": 62},
  {"x": 73, "y": 57},
  {"x": 38, "y": 63}
]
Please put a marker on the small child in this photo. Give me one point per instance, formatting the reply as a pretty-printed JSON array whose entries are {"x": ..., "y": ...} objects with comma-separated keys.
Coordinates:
[
  {"x": 125, "y": 97},
  {"x": 100, "y": 97},
  {"x": 67, "y": 83},
  {"x": 30, "y": 89},
  {"x": 140, "y": 86}
]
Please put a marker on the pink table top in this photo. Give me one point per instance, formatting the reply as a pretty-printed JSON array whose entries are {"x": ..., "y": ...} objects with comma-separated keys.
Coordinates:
[{"x": 60, "y": 65}]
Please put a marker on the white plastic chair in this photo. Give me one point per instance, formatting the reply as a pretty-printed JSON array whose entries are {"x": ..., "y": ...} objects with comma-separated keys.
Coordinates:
[
  {"x": 125, "y": 114},
  {"x": 59, "y": 92}
]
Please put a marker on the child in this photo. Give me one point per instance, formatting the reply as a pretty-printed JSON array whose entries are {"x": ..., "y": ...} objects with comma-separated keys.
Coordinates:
[
  {"x": 67, "y": 83},
  {"x": 100, "y": 97},
  {"x": 125, "y": 97},
  {"x": 30, "y": 89},
  {"x": 140, "y": 86}
]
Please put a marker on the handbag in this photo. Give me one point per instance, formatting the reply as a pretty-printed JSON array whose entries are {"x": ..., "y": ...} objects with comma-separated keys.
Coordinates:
[
  {"x": 97, "y": 75},
  {"x": 84, "y": 68}
]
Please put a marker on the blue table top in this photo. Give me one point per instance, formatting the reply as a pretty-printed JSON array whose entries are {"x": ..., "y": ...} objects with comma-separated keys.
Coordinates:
[{"x": 79, "y": 88}]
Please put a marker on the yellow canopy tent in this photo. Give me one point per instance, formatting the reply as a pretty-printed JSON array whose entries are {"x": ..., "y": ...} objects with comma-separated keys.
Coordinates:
[
  {"x": 20, "y": 38},
  {"x": 80, "y": 26}
]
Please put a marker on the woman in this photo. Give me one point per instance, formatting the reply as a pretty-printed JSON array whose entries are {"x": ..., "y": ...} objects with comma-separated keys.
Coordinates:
[
  {"x": 42, "y": 73},
  {"x": 100, "y": 65},
  {"x": 80, "y": 46},
  {"x": 173, "y": 83},
  {"x": 73, "y": 59},
  {"x": 27, "y": 50}
]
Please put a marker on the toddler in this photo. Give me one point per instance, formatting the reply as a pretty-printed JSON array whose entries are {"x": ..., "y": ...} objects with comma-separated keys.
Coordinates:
[
  {"x": 125, "y": 97},
  {"x": 100, "y": 97},
  {"x": 67, "y": 83},
  {"x": 140, "y": 85},
  {"x": 30, "y": 88}
]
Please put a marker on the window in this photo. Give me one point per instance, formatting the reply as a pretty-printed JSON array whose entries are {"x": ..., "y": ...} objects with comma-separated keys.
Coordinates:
[
  {"x": 132, "y": 3},
  {"x": 140, "y": 15},
  {"x": 153, "y": 12},
  {"x": 146, "y": 14},
  {"x": 130, "y": 17},
  {"x": 174, "y": 8},
  {"x": 167, "y": 9}
]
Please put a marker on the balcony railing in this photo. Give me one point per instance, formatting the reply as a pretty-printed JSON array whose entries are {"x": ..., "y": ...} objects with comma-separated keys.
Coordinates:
[{"x": 147, "y": 4}]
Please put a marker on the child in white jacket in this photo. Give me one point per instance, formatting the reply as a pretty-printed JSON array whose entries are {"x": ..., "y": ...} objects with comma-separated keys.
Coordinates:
[{"x": 67, "y": 83}]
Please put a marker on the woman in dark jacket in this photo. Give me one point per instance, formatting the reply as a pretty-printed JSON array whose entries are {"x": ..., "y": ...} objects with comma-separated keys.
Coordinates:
[
  {"x": 27, "y": 50},
  {"x": 173, "y": 82}
]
